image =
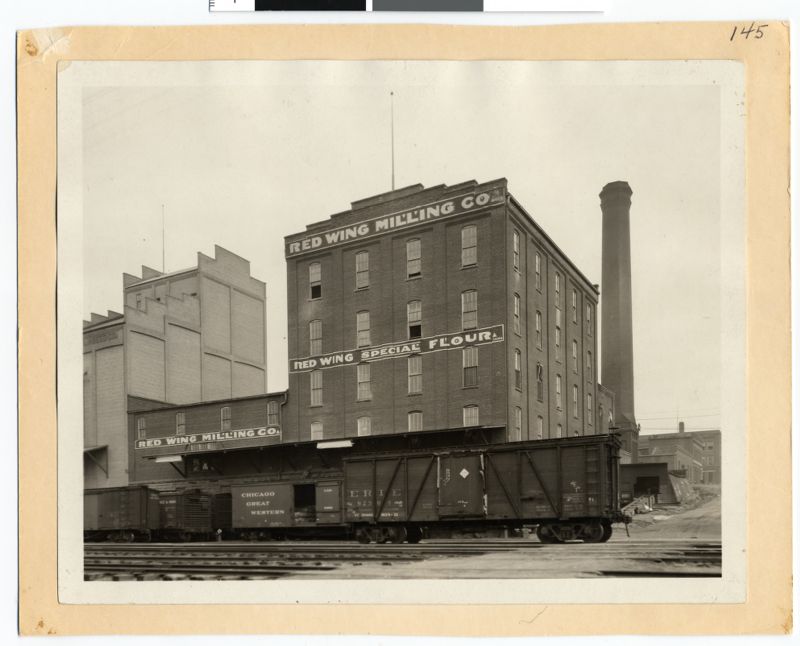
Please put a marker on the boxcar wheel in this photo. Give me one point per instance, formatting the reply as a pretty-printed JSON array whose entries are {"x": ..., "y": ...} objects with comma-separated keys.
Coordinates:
[
  {"x": 413, "y": 535},
  {"x": 593, "y": 533},
  {"x": 396, "y": 534},
  {"x": 546, "y": 535},
  {"x": 362, "y": 536},
  {"x": 607, "y": 531}
]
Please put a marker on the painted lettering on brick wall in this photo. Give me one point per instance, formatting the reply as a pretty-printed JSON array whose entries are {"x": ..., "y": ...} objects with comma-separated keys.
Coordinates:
[
  {"x": 187, "y": 441},
  {"x": 454, "y": 340},
  {"x": 394, "y": 221}
]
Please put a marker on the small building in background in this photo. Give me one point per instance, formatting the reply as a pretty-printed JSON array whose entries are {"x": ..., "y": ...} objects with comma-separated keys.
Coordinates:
[
  {"x": 186, "y": 336},
  {"x": 694, "y": 455}
]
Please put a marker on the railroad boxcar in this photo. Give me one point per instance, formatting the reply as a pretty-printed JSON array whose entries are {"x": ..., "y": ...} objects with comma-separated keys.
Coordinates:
[
  {"x": 185, "y": 515},
  {"x": 283, "y": 509},
  {"x": 568, "y": 488},
  {"x": 121, "y": 513}
]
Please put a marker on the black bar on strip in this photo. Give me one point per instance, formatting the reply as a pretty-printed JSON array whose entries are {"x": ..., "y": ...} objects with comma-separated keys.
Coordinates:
[
  {"x": 427, "y": 5},
  {"x": 311, "y": 5}
]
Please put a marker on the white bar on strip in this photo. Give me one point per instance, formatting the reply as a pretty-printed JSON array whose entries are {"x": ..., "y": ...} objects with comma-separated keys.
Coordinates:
[
  {"x": 231, "y": 5},
  {"x": 543, "y": 5}
]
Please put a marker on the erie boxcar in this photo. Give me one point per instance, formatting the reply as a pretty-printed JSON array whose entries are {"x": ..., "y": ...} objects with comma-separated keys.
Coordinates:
[{"x": 567, "y": 488}]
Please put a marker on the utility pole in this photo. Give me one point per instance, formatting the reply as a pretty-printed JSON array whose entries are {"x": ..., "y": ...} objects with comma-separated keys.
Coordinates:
[
  {"x": 163, "y": 244},
  {"x": 391, "y": 95}
]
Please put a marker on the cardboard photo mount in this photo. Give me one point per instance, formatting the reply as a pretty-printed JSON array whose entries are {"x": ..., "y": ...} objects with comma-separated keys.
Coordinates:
[{"x": 768, "y": 609}]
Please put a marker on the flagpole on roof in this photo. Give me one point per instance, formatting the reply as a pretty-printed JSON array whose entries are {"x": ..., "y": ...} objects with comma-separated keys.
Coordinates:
[{"x": 391, "y": 95}]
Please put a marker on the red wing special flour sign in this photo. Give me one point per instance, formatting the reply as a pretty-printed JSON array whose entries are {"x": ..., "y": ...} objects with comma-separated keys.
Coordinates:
[
  {"x": 455, "y": 340},
  {"x": 397, "y": 221}
]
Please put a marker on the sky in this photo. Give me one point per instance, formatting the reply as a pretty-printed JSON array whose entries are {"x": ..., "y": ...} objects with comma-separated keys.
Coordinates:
[{"x": 242, "y": 154}]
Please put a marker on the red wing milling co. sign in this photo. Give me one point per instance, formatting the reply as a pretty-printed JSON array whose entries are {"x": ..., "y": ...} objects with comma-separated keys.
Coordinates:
[
  {"x": 481, "y": 336},
  {"x": 394, "y": 221},
  {"x": 195, "y": 442}
]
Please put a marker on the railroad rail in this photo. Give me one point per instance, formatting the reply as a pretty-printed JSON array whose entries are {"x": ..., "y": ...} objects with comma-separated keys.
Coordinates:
[{"x": 511, "y": 558}]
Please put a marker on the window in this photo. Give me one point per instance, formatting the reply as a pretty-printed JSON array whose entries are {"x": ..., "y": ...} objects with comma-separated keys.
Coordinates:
[
  {"x": 414, "y": 258},
  {"x": 469, "y": 246},
  {"x": 517, "y": 424},
  {"x": 574, "y": 306},
  {"x": 469, "y": 360},
  {"x": 364, "y": 425},
  {"x": 362, "y": 270},
  {"x": 558, "y": 289},
  {"x": 589, "y": 366},
  {"x": 516, "y": 250},
  {"x": 539, "y": 382},
  {"x": 558, "y": 344},
  {"x": 469, "y": 309},
  {"x": 414, "y": 315},
  {"x": 538, "y": 329},
  {"x": 362, "y": 329},
  {"x": 315, "y": 337},
  {"x": 364, "y": 383},
  {"x": 589, "y": 320},
  {"x": 518, "y": 369},
  {"x": 180, "y": 423},
  {"x": 138, "y": 301},
  {"x": 141, "y": 428},
  {"x": 558, "y": 392},
  {"x": 540, "y": 427},
  {"x": 538, "y": 263},
  {"x": 589, "y": 408},
  {"x": 225, "y": 418},
  {"x": 471, "y": 415},
  {"x": 316, "y": 430},
  {"x": 516, "y": 313},
  {"x": 415, "y": 421},
  {"x": 316, "y": 387},
  {"x": 315, "y": 280},
  {"x": 273, "y": 414},
  {"x": 574, "y": 356},
  {"x": 559, "y": 430},
  {"x": 574, "y": 401},
  {"x": 414, "y": 374}
]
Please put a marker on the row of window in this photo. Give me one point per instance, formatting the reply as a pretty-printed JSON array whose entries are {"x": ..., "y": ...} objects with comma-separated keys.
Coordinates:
[
  {"x": 470, "y": 417},
  {"x": 414, "y": 370},
  {"x": 469, "y": 321},
  {"x": 273, "y": 419},
  {"x": 469, "y": 362},
  {"x": 556, "y": 281},
  {"x": 469, "y": 258}
]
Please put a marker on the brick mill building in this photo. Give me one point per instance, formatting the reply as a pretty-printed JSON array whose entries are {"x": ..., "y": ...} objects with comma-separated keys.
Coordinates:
[{"x": 433, "y": 309}]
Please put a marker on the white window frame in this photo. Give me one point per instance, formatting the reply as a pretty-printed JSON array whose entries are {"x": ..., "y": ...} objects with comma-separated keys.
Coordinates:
[
  {"x": 362, "y": 269},
  {"x": 469, "y": 245},
  {"x": 316, "y": 388},
  {"x": 363, "y": 329}
]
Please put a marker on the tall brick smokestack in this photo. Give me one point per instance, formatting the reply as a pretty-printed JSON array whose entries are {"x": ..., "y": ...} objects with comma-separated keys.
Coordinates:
[{"x": 617, "y": 318}]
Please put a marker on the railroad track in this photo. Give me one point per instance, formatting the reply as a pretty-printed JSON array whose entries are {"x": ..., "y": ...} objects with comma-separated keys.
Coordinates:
[{"x": 429, "y": 559}]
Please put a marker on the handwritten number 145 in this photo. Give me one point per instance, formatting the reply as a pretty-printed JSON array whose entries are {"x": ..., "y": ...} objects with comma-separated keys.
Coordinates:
[{"x": 756, "y": 31}]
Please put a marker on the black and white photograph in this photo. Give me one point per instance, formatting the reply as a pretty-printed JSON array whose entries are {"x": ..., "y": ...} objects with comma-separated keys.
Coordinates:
[{"x": 352, "y": 330}]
